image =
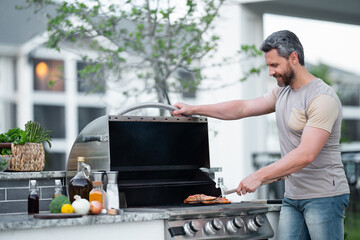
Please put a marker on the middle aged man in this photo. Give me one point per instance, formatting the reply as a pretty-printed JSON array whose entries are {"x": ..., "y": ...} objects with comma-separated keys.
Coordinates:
[{"x": 308, "y": 115}]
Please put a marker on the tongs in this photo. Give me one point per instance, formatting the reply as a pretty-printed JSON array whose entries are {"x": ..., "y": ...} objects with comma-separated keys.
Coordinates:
[{"x": 271, "y": 180}]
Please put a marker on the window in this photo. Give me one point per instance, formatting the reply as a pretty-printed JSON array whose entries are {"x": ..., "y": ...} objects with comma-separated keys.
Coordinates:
[
  {"x": 49, "y": 75},
  {"x": 350, "y": 131},
  {"x": 54, "y": 161},
  {"x": 52, "y": 118},
  {"x": 8, "y": 120},
  {"x": 91, "y": 82},
  {"x": 349, "y": 93},
  {"x": 13, "y": 115},
  {"x": 87, "y": 114}
]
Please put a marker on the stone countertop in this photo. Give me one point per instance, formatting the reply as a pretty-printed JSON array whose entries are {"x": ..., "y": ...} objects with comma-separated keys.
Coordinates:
[
  {"x": 274, "y": 207},
  {"x": 31, "y": 175},
  {"x": 20, "y": 222},
  {"x": 14, "y": 222},
  {"x": 35, "y": 175}
]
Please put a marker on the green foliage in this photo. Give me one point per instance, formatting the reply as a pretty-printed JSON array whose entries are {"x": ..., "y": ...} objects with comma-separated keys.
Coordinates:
[
  {"x": 151, "y": 39},
  {"x": 37, "y": 134},
  {"x": 4, "y": 162},
  {"x": 322, "y": 71},
  {"x": 32, "y": 133},
  {"x": 15, "y": 135},
  {"x": 351, "y": 226}
]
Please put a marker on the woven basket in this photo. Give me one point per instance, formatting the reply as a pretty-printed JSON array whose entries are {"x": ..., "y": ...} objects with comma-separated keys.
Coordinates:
[{"x": 29, "y": 157}]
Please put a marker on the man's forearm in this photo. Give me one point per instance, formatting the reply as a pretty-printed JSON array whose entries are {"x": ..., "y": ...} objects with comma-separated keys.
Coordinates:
[
  {"x": 290, "y": 163},
  {"x": 226, "y": 110},
  {"x": 312, "y": 141}
]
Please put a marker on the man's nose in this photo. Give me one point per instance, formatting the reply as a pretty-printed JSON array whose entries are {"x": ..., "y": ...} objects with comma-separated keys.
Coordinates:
[{"x": 271, "y": 72}]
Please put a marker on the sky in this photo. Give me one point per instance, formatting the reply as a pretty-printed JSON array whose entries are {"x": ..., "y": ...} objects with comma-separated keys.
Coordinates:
[{"x": 334, "y": 44}]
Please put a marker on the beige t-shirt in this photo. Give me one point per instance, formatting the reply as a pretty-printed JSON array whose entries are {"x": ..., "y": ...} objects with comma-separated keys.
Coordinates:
[{"x": 316, "y": 105}]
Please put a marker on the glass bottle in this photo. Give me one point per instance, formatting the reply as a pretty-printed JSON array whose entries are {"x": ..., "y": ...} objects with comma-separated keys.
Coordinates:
[
  {"x": 33, "y": 198},
  {"x": 112, "y": 191},
  {"x": 96, "y": 194},
  {"x": 80, "y": 184},
  {"x": 99, "y": 177},
  {"x": 58, "y": 188},
  {"x": 222, "y": 187}
]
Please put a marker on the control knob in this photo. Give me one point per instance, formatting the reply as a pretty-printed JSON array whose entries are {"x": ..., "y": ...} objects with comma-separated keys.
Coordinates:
[
  {"x": 211, "y": 227},
  {"x": 192, "y": 227},
  {"x": 235, "y": 224},
  {"x": 255, "y": 223}
]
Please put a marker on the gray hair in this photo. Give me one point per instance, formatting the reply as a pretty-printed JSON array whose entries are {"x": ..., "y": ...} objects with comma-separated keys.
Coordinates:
[{"x": 285, "y": 42}]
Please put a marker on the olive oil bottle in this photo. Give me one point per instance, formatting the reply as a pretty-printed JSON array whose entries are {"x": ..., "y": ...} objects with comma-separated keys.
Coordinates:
[{"x": 80, "y": 184}]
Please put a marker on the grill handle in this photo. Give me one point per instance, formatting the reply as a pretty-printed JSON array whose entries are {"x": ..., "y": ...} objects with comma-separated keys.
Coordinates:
[{"x": 146, "y": 105}]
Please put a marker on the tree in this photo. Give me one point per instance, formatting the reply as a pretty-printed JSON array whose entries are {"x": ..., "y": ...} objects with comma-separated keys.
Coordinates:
[
  {"x": 161, "y": 43},
  {"x": 322, "y": 71}
]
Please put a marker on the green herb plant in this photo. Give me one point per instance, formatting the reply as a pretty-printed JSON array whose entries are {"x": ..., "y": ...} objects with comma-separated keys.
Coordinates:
[
  {"x": 37, "y": 134},
  {"x": 33, "y": 133}
]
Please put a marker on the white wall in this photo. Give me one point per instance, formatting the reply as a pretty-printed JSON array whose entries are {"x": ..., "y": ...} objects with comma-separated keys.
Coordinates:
[
  {"x": 6, "y": 90},
  {"x": 236, "y": 140}
]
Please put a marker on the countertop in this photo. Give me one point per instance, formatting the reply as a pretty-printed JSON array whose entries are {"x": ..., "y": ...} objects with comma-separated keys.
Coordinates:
[
  {"x": 20, "y": 222},
  {"x": 12, "y": 222},
  {"x": 31, "y": 175}
]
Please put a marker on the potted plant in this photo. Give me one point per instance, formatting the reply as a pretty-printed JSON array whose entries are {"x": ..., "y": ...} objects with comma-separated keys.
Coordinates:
[{"x": 22, "y": 150}]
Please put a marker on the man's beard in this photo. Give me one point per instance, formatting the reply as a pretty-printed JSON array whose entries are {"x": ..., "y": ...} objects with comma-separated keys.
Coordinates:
[{"x": 287, "y": 78}]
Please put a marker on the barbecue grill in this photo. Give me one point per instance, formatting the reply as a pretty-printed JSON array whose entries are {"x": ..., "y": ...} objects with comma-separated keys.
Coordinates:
[{"x": 161, "y": 161}]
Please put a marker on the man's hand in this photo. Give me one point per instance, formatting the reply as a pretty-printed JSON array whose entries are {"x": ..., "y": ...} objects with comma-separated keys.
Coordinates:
[
  {"x": 249, "y": 184},
  {"x": 184, "y": 109}
]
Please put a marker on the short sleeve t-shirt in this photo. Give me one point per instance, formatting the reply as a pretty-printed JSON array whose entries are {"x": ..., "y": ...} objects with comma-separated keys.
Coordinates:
[{"x": 313, "y": 105}]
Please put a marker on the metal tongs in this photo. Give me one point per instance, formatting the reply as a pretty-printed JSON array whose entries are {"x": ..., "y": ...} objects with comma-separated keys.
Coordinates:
[{"x": 271, "y": 180}]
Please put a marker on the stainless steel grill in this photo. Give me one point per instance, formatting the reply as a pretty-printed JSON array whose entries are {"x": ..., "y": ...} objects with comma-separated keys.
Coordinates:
[
  {"x": 161, "y": 161},
  {"x": 229, "y": 221}
]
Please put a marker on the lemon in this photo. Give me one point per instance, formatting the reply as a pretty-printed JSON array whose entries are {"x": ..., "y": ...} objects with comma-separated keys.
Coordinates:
[{"x": 67, "y": 208}]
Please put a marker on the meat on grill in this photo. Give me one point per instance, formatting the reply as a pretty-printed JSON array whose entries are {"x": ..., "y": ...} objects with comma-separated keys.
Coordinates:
[
  {"x": 198, "y": 198},
  {"x": 202, "y": 198},
  {"x": 218, "y": 200}
]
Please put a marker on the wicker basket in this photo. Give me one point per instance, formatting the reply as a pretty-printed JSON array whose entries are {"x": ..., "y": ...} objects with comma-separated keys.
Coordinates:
[{"x": 29, "y": 157}]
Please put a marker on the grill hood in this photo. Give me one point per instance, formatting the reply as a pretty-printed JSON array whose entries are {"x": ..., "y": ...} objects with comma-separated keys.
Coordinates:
[{"x": 160, "y": 160}]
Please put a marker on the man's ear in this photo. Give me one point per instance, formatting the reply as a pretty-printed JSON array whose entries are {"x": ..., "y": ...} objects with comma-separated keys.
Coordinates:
[{"x": 294, "y": 57}]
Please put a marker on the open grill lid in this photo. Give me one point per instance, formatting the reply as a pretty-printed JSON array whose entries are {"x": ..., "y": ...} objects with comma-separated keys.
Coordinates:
[{"x": 159, "y": 159}]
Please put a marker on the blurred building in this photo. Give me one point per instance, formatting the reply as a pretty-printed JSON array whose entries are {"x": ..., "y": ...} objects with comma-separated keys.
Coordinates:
[{"x": 40, "y": 84}]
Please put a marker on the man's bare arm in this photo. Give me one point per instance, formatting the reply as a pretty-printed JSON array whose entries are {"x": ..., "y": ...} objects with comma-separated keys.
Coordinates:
[
  {"x": 312, "y": 141},
  {"x": 230, "y": 110}
]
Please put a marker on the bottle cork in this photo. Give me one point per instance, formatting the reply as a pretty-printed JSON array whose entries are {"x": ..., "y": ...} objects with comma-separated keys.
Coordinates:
[{"x": 97, "y": 183}]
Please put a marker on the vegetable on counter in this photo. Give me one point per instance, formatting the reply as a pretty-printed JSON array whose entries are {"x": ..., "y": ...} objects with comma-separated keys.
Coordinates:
[
  {"x": 81, "y": 205},
  {"x": 95, "y": 207},
  {"x": 33, "y": 133},
  {"x": 57, "y": 203},
  {"x": 14, "y": 135}
]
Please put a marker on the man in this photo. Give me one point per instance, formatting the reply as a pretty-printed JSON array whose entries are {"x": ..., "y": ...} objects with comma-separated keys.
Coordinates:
[{"x": 308, "y": 116}]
